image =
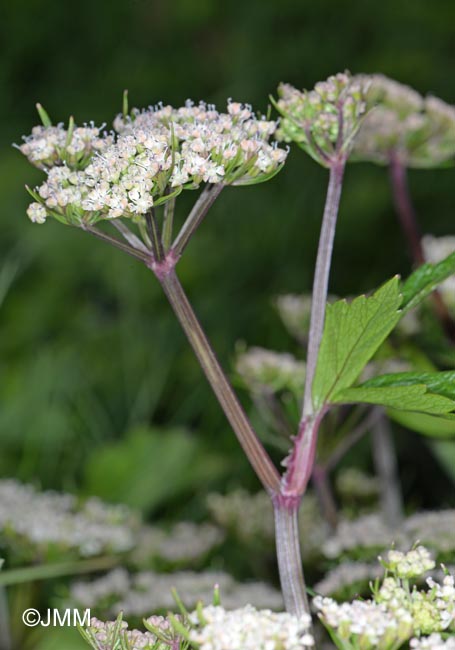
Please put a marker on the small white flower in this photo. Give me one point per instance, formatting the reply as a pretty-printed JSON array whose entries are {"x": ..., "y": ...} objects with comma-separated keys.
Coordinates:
[{"x": 36, "y": 212}]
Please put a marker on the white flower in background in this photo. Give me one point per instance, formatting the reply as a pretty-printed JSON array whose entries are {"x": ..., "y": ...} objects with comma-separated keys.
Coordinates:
[
  {"x": 347, "y": 576},
  {"x": 265, "y": 369},
  {"x": 366, "y": 532},
  {"x": 44, "y": 520},
  {"x": 184, "y": 543},
  {"x": 251, "y": 629},
  {"x": 295, "y": 312},
  {"x": 419, "y": 131},
  {"x": 145, "y": 592}
]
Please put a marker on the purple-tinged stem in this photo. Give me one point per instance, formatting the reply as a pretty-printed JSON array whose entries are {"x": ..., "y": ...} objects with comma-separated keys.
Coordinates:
[
  {"x": 321, "y": 278},
  {"x": 132, "y": 239},
  {"x": 258, "y": 457},
  {"x": 409, "y": 224},
  {"x": 405, "y": 209},
  {"x": 133, "y": 252},
  {"x": 299, "y": 464},
  {"x": 301, "y": 459},
  {"x": 289, "y": 556}
]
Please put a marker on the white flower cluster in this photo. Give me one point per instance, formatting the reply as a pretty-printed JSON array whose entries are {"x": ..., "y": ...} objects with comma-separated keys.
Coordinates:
[
  {"x": 156, "y": 154},
  {"x": 368, "y": 532},
  {"x": 145, "y": 592},
  {"x": 435, "y": 250},
  {"x": 50, "y": 145},
  {"x": 444, "y": 595},
  {"x": 324, "y": 120},
  {"x": 419, "y": 131},
  {"x": 433, "y": 642},
  {"x": 412, "y": 564},
  {"x": 431, "y": 611},
  {"x": 231, "y": 147},
  {"x": 365, "y": 624},
  {"x": 250, "y": 629},
  {"x": 49, "y": 520},
  {"x": 273, "y": 371},
  {"x": 433, "y": 529}
]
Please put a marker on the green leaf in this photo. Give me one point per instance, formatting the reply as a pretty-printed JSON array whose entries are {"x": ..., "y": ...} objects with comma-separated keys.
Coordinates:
[
  {"x": 436, "y": 426},
  {"x": 424, "y": 280},
  {"x": 352, "y": 334},
  {"x": 416, "y": 397},
  {"x": 440, "y": 383},
  {"x": 444, "y": 451}
]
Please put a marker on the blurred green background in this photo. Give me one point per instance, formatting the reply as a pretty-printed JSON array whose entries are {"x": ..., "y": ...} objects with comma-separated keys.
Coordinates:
[{"x": 90, "y": 356}]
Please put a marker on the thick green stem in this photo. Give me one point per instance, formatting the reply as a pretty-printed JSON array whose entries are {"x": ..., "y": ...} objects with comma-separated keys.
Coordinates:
[
  {"x": 229, "y": 402},
  {"x": 321, "y": 277},
  {"x": 289, "y": 556}
]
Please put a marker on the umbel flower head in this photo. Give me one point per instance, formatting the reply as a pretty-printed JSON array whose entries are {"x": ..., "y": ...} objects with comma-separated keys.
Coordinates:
[
  {"x": 418, "y": 131},
  {"x": 250, "y": 629},
  {"x": 323, "y": 121},
  {"x": 155, "y": 154}
]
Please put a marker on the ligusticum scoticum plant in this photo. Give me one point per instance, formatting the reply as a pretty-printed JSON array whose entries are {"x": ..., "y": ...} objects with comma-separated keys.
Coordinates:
[{"x": 128, "y": 180}]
